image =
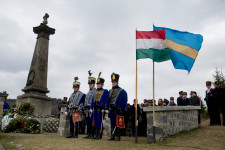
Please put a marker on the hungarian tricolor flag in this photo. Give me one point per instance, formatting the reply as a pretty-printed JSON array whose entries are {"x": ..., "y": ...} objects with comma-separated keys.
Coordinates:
[{"x": 152, "y": 44}]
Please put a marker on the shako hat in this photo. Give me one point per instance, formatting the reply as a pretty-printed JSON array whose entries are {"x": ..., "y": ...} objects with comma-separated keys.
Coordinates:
[
  {"x": 76, "y": 83},
  {"x": 100, "y": 80},
  {"x": 91, "y": 80},
  {"x": 115, "y": 77}
]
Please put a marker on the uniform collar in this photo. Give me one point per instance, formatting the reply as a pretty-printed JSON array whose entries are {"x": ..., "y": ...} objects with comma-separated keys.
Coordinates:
[
  {"x": 99, "y": 89},
  {"x": 116, "y": 87}
]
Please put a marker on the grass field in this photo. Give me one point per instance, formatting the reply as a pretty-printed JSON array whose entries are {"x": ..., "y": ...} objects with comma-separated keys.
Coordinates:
[{"x": 203, "y": 138}]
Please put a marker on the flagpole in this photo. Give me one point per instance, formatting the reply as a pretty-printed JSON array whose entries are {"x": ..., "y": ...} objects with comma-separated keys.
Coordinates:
[
  {"x": 136, "y": 122},
  {"x": 153, "y": 111}
]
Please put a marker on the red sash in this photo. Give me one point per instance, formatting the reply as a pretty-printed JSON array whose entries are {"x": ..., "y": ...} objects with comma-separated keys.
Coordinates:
[
  {"x": 76, "y": 117},
  {"x": 120, "y": 122}
]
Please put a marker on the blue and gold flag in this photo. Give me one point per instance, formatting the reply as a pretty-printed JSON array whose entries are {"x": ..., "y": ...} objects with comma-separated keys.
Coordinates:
[{"x": 184, "y": 47}]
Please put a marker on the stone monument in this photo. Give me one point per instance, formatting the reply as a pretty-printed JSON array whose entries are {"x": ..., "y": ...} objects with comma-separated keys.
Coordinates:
[{"x": 36, "y": 86}]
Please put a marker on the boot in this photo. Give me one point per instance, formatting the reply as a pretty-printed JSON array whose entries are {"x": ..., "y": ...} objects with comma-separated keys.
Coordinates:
[
  {"x": 70, "y": 136},
  {"x": 118, "y": 135},
  {"x": 76, "y": 133},
  {"x": 99, "y": 134},
  {"x": 88, "y": 133},
  {"x": 88, "y": 136},
  {"x": 71, "y": 133},
  {"x": 92, "y": 133},
  {"x": 112, "y": 135},
  {"x": 96, "y": 133}
]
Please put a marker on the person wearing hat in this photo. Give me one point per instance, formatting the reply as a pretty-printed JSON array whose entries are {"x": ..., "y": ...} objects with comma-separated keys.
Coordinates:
[
  {"x": 74, "y": 104},
  {"x": 116, "y": 104},
  {"x": 210, "y": 102},
  {"x": 219, "y": 97},
  {"x": 98, "y": 105},
  {"x": 87, "y": 104},
  {"x": 195, "y": 101}
]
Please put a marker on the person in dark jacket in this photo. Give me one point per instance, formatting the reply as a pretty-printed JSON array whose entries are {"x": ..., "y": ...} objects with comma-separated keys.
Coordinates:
[
  {"x": 132, "y": 112},
  {"x": 185, "y": 99},
  {"x": 220, "y": 101},
  {"x": 211, "y": 103},
  {"x": 180, "y": 99},
  {"x": 195, "y": 101}
]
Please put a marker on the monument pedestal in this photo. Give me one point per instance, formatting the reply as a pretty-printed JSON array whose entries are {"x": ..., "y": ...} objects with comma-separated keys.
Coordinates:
[
  {"x": 42, "y": 104},
  {"x": 64, "y": 122},
  {"x": 36, "y": 86}
]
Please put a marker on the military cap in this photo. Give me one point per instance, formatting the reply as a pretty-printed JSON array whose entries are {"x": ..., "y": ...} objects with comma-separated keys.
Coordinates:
[
  {"x": 208, "y": 83},
  {"x": 91, "y": 80},
  {"x": 76, "y": 83},
  {"x": 115, "y": 77},
  {"x": 100, "y": 80},
  {"x": 217, "y": 83}
]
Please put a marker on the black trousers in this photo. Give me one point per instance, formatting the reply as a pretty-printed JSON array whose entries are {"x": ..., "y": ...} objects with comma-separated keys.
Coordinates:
[
  {"x": 214, "y": 113},
  {"x": 72, "y": 126}
]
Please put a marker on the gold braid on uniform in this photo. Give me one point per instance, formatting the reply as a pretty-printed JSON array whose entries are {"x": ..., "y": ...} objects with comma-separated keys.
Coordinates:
[{"x": 111, "y": 98}]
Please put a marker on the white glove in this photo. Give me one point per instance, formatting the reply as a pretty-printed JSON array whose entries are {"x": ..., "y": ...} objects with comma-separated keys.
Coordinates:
[
  {"x": 90, "y": 110},
  {"x": 103, "y": 110},
  {"x": 107, "y": 111},
  {"x": 66, "y": 113}
]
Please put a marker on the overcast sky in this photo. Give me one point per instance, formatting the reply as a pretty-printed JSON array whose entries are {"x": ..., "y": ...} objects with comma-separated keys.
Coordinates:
[{"x": 99, "y": 35}]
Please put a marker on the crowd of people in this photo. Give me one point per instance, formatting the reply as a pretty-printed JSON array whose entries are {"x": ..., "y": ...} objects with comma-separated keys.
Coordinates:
[
  {"x": 100, "y": 103},
  {"x": 182, "y": 100}
]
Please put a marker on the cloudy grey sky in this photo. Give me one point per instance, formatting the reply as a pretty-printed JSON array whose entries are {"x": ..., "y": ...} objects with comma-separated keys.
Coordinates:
[{"x": 99, "y": 35}]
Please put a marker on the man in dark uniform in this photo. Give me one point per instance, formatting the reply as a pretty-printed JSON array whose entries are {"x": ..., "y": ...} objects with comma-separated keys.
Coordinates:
[
  {"x": 75, "y": 104},
  {"x": 98, "y": 104},
  {"x": 87, "y": 104},
  {"x": 220, "y": 98},
  {"x": 210, "y": 102},
  {"x": 116, "y": 104},
  {"x": 195, "y": 101}
]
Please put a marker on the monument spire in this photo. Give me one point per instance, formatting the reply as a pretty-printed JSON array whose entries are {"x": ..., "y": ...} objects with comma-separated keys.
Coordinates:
[{"x": 36, "y": 85}]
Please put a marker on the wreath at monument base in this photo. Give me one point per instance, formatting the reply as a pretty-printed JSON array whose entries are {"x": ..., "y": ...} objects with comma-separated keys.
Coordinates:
[
  {"x": 17, "y": 120},
  {"x": 24, "y": 109},
  {"x": 23, "y": 125}
]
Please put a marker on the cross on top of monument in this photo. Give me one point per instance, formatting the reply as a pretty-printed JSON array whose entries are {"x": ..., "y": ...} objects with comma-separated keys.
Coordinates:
[{"x": 45, "y": 21}]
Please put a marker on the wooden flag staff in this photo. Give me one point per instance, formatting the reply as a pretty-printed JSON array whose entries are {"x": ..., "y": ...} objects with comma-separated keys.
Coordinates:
[
  {"x": 136, "y": 121},
  {"x": 153, "y": 111}
]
